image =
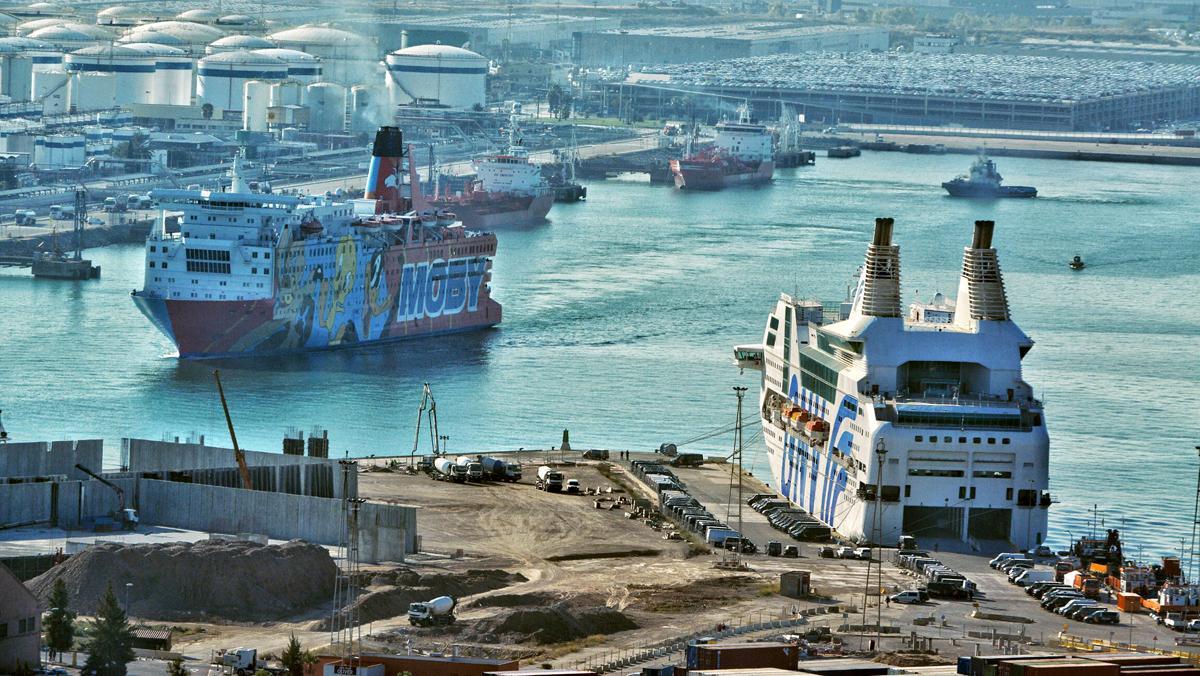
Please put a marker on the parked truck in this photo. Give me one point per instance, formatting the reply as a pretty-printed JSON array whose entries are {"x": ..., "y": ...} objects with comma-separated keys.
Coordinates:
[
  {"x": 1090, "y": 586},
  {"x": 471, "y": 467},
  {"x": 431, "y": 613},
  {"x": 447, "y": 470},
  {"x": 549, "y": 479},
  {"x": 501, "y": 470},
  {"x": 25, "y": 217},
  {"x": 245, "y": 662},
  {"x": 687, "y": 460}
]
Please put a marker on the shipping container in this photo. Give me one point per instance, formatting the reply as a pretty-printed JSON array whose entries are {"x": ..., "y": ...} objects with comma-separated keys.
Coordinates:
[
  {"x": 842, "y": 666},
  {"x": 1133, "y": 659},
  {"x": 1129, "y": 603},
  {"x": 1070, "y": 666},
  {"x": 745, "y": 655}
]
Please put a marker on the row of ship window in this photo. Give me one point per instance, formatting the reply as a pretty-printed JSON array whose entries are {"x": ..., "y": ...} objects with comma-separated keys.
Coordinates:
[{"x": 1004, "y": 441}]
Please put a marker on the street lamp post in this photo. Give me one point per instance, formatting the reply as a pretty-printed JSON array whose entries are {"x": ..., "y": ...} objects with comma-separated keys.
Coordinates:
[
  {"x": 128, "y": 587},
  {"x": 445, "y": 439}
]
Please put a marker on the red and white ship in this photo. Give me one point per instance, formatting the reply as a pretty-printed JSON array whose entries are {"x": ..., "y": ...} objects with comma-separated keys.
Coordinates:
[
  {"x": 743, "y": 154},
  {"x": 509, "y": 190}
]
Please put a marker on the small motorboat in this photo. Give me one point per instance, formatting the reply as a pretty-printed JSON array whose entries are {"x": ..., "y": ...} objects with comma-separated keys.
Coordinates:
[{"x": 1077, "y": 263}]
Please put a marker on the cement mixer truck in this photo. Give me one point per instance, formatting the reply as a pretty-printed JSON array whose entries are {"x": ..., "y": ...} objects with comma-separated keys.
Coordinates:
[
  {"x": 431, "y": 613},
  {"x": 501, "y": 470},
  {"x": 446, "y": 469},
  {"x": 549, "y": 479},
  {"x": 471, "y": 466}
]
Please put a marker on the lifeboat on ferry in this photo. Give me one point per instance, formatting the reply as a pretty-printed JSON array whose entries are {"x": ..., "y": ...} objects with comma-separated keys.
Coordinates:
[
  {"x": 815, "y": 429},
  {"x": 311, "y": 227}
]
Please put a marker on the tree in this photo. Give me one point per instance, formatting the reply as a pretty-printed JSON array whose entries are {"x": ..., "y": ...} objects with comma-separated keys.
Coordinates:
[
  {"x": 175, "y": 668},
  {"x": 60, "y": 623},
  {"x": 111, "y": 645},
  {"x": 293, "y": 657},
  {"x": 554, "y": 98}
]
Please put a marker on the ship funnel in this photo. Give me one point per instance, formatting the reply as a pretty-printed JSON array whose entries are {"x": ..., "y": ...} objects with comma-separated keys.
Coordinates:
[
  {"x": 385, "y": 175},
  {"x": 879, "y": 287},
  {"x": 981, "y": 285}
]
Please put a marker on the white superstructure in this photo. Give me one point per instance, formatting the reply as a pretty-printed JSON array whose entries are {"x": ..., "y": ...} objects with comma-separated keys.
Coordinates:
[
  {"x": 932, "y": 407},
  {"x": 743, "y": 139},
  {"x": 511, "y": 171}
]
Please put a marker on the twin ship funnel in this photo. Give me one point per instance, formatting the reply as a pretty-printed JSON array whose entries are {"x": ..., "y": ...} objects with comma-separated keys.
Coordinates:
[
  {"x": 879, "y": 286},
  {"x": 385, "y": 174},
  {"x": 981, "y": 295}
]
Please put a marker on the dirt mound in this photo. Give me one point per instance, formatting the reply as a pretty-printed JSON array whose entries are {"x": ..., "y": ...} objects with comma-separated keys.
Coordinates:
[
  {"x": 707, "y": 594},
  {"x": 227, "y": 579},
  {"x": 393, "y": 590},
  {"x": 516, "y": 600},
  {"x": 558, "y": 623},
  {"x": 911, "y": 659}
]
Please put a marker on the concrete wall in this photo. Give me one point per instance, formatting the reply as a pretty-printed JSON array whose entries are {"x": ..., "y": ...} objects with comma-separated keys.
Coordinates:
[
  {"x": 40, "y": 458},
  {"x": 24, "y": 503},
  {"x": 163, "y": 456},
  {"x": 387, "y": 531}
]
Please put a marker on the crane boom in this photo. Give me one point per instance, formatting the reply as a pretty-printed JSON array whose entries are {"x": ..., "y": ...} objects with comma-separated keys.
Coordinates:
[
  {"x": 120, "y": 492},
  {"x": 237, "y": 452},
  {"x": 427, "y": 401}
]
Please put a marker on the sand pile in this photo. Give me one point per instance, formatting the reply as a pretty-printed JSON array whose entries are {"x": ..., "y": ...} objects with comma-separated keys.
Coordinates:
[
  {"x": 557, "y": 623},
  {"x": 227, "y": 579},
  {"x": 391, "y": 592}
]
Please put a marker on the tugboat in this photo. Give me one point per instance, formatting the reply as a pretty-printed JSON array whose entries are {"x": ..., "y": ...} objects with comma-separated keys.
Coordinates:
[
  {"x": 984, "y": 181},
  {"x": 1077, "y": 263}
]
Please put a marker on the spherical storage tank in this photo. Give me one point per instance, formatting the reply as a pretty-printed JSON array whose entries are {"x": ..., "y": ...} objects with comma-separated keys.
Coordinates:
[
  {"x": 221, "y": 78},
  {"x": 348, "y": 58},
  {"x": 453, "y": 76},
  {"x": 326, "y": 107},
  {"x": 133, "y": 72},
  {"x": 302, "y": 67},
  {"x": 173, "y": 73}
]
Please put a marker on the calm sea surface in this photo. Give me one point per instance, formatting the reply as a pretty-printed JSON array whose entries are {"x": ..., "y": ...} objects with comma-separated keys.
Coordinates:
[{"x": 620, "y": 314}]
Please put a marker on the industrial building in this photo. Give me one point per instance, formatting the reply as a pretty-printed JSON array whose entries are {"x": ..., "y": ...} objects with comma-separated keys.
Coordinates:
[
  {"x": 689, "y": 44},
  {"x": 973, "y": 90},
  {"x": 488, "y": 34},
  {"x": 198, "y": 488},
  {"x": 20, "y": 626}
]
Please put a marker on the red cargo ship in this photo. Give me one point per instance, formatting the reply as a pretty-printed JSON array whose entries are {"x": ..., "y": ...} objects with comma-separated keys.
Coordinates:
[{"x": 743, "y": 154}]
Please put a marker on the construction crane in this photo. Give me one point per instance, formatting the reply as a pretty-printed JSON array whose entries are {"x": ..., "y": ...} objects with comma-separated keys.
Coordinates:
[
  {"x": 127, "y": 517},
  {"x": 427, "y": 400},
  {"x": 237, "y": 452}
]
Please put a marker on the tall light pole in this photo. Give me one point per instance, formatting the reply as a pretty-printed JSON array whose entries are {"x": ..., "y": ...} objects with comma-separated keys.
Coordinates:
[
  {"x": 876, "y": 541},
  {"x": 128, "y": 587}
]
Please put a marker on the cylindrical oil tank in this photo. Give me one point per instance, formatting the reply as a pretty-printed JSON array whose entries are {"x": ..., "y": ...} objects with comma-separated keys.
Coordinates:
[
  {"x": 365, "y": 113},
  {"x": 287, "y": 93},
  {"x": 92, "y": 91},
  {"x": 256, "y": 97},
  {"x": 60, "y": 151},
  {"x": 231, "y": 43},
  {"x": 132, "y": 71},
  {"x": 173, "y": 73},
  {"x": 452, "y": 76},
  {"x": 326, "y": 107},
  {"x": 347, "y": 58},
  {"x": 302, "y": 67},
  {"x": 221, "y": 78},
  {"x": 50, "y": 88},
  {"x": 16, "y": 76}
]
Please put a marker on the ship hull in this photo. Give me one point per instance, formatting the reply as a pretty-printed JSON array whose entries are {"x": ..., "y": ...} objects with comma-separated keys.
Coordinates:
[
  {"x": 710, "y": 176},
  {"x": 963, "y": 189},
  {"x": 390, "y": 295},
  {"x": 486, "y": 213}
]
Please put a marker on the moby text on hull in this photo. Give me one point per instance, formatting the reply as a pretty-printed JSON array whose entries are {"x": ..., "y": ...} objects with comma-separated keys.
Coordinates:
[
  {"x": 254, "y": 273},
  {"x": 928, "y": 409}
]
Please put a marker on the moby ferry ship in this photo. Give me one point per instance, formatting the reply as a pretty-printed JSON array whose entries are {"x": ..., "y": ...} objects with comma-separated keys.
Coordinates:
[{"x": 926, "y": 410}]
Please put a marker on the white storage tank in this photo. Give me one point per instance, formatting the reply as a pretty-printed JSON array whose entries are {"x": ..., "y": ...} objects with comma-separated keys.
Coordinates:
[
  {"x": 173, "y": 73},
  {"x": 45, "y": 55},
  {"x": 346, "y": 57},
  {"x": 133, "y": 71},
  {"x": 289, "y": 93},
  {"x": 50, "y": 88},
  {"x": 256, "y": 97},
  {"x": 188, "y": 34},
  {"x": 231, "y": 43},
  {"x": 452, "y": 76},
  {"x": 16, "y": 72},
  {"x": 65, "y": 37},
  {"x": 60, "y": 151},
  {"x": 303, "y": 68},
  {"x": 368, "y": 109},
  {"x": 326, "y": 103},
  {"x": 221, "y": 78},
  {"x": 204, "y": 16},
  {"x": 92, "y": 91}
]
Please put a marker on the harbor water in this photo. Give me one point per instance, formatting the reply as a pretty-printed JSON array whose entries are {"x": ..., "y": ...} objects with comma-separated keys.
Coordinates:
[{"x": 619, "y": 316}]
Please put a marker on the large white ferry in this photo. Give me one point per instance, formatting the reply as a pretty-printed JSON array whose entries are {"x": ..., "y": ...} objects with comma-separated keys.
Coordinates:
[{"x": 928, "y": 410}]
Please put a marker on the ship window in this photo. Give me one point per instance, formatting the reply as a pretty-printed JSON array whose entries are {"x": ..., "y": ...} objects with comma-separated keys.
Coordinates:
[
  {"x": 992, "y": 475},
  {"x": 992, "y": 440},
  {"x": 933, "y": 440},
  {"x": 972, "y": 492},
  {"x": 907, "y": 490},
  {"x": 947, "y": 439},
  {"x": 267, "y": 255},
  {"x": 775, "y": 323},
  {"x": 1008, "y": 493},
  {"x": 936, "y": 472},
  {"x": 977, "y": 440},
  {"x": 919, "y": 438},
  {"x": 1004, "y": 441},
  {"x": 254, "y": 255},
  {"x": 962, "y": 440},
  {"x": 151, "y": 263},
  {"x": 254, "y": 271},
  {"x": 153, "y": 248},
  {"x": 962, "y": 492}
]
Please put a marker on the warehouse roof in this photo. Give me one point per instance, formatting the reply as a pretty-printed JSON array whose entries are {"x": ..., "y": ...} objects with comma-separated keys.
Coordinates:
[{"x": 748, "y": 31}]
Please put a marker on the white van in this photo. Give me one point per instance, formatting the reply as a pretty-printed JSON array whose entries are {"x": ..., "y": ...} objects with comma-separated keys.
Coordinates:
[
  {"x": 1001, "y": 558},
  {"x": 1029, "y": 576}
]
